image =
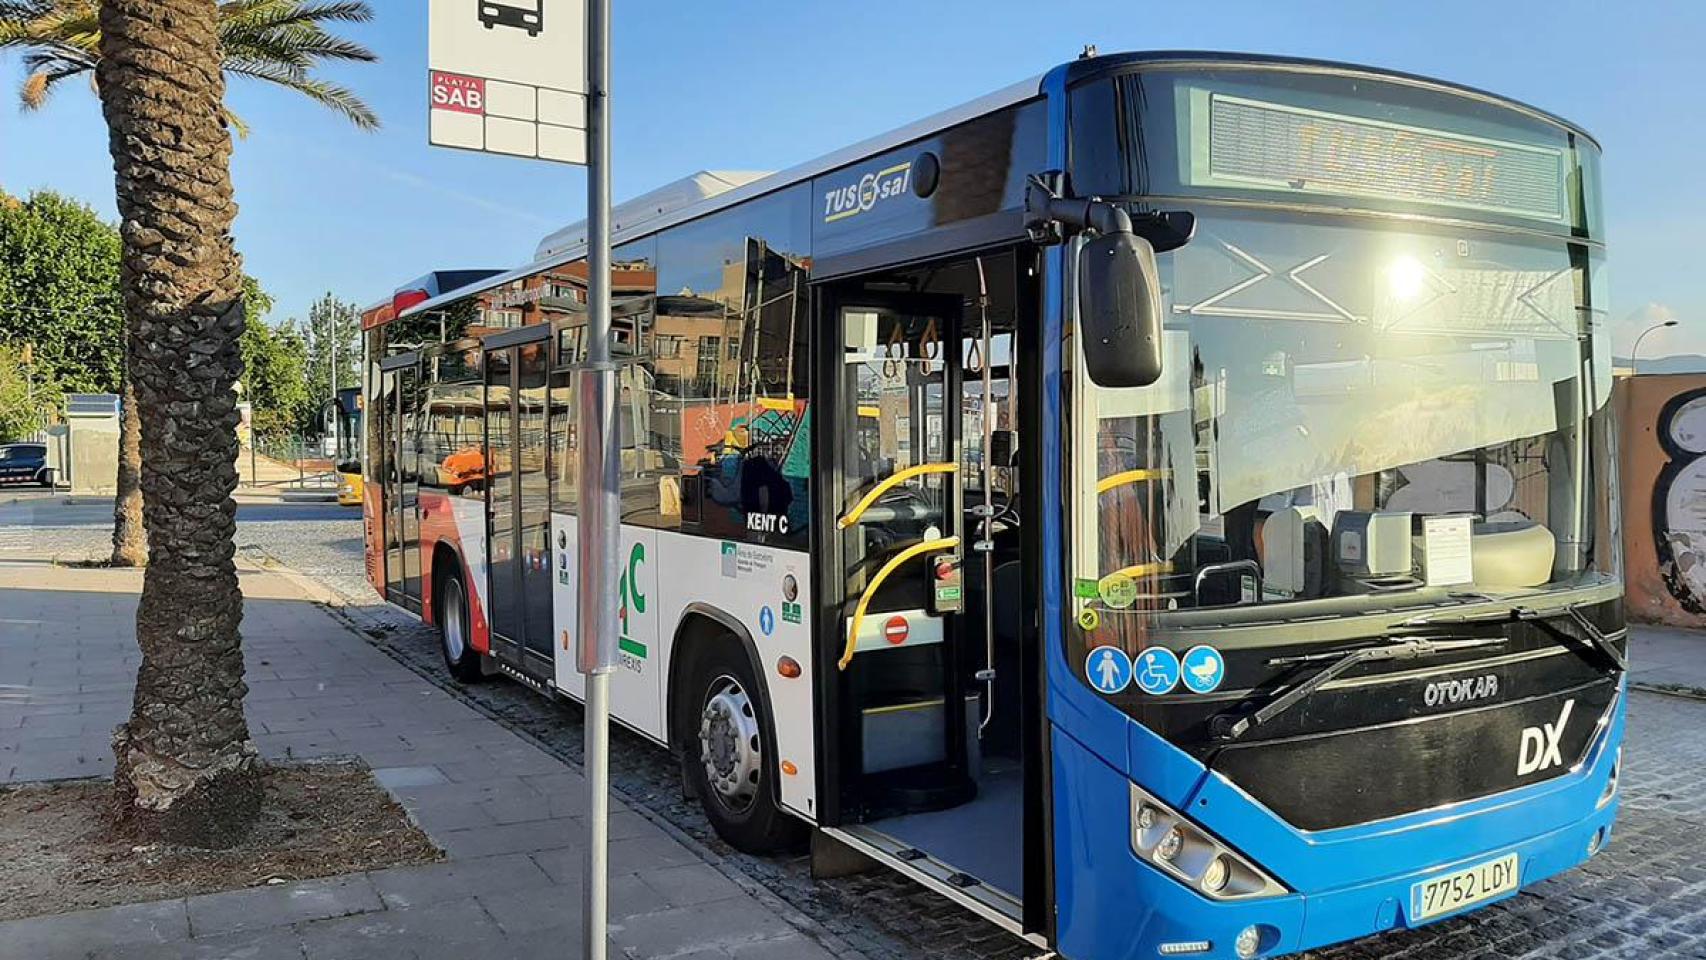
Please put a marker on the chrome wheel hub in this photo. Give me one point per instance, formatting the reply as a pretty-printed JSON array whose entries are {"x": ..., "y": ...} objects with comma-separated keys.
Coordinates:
[
  {"x": 455, "y": 643},
  {"x": 730, "y": 746}
]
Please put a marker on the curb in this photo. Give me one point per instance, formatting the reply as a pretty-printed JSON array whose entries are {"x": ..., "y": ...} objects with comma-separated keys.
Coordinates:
[{"x": 1680, "y": 691}]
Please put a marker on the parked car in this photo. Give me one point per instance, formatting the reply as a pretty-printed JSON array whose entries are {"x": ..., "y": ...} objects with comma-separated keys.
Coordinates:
[{"x": 25, "y": 463}]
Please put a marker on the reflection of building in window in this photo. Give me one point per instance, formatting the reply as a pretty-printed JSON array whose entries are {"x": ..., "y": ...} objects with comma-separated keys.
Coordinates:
[{"x": 708, "y": 360}]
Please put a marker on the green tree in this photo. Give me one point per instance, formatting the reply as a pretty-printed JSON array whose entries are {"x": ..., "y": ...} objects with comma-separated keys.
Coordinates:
[
  {"x": 275, "y": 362},
  {"x": 333, "y": 337},
  {"x": 59, "y": 291},
  {"x": 25, "y": 395},
  {"x": 276, "y": 41}
]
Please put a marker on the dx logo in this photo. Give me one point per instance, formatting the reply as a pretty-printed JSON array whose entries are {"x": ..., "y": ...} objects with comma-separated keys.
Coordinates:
[{"x": 1541, "y": 746}]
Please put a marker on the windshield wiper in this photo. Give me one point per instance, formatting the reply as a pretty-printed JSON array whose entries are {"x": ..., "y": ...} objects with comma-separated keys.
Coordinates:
[
  {"x": 1598, "y": 639},
  {"x": 1595, "y": 638},
  {"x": 1338, "y": 662}
]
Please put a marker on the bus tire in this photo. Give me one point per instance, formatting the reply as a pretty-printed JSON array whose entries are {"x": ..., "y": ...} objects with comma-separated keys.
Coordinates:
[
  {"x": 454, "y": 633},
  {"x": 728, "y": 752}
]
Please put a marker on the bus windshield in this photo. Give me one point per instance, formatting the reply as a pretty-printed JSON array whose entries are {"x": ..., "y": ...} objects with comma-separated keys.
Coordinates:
[{"x": 1357, "y": 411}]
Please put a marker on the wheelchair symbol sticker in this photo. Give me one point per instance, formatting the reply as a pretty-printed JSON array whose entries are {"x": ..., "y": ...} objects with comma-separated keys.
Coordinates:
[
  {"x": 1157, "y": 671},
  {"x": 1108, "y": 669},
  {"x": 1204, "y": 669}
]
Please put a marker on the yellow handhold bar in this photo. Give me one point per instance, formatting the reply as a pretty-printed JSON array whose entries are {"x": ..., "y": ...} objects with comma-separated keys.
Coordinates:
[
  {"x": 1138, "y": 572},
  {"x": 893, "y": 481},
  {"x": 1129, "y": 476},
  {"x": 928, "y": 546}
]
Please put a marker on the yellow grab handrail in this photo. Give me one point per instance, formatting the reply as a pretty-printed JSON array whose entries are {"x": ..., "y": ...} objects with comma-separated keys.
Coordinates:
[
  {"x": 1129, "y": 476},
  {"x": 893, "y": 481},
  {"x": 946, "y": 543},
  {"x": 1138, "y": 571}
]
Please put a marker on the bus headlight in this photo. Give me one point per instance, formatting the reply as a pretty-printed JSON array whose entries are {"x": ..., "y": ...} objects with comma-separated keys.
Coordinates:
[{"x": 1185, "y": 852}]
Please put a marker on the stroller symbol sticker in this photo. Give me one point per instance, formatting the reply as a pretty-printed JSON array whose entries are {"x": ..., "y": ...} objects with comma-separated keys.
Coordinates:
[
  {"x": 1205, "y": 668},
  {"x": 1157, "y": 671},
  {"x": 1108, "y": 669}
]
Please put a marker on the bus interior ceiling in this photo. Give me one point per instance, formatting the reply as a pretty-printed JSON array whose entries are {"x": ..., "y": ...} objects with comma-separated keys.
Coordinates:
[{"x": 971, "y": 819}]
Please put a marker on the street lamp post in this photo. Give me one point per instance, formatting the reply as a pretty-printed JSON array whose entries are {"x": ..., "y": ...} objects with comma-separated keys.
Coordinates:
[{"x": 1635, "y": 351}]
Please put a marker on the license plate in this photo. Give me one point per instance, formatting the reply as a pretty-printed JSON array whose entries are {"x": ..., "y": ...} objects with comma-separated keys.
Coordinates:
[{"x": 1451, "y": 892}]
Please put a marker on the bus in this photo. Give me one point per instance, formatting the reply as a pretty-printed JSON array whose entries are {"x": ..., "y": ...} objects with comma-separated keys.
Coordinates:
[
  {"x": 1166, "y": 507},
  {"x": 341, "y": 419}
]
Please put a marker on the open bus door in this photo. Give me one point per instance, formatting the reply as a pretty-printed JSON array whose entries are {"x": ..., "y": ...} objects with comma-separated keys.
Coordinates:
[{"x": 924, "y": 662}]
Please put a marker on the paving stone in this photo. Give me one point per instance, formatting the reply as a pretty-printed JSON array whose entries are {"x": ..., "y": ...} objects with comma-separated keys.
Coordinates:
[
  {"x": 691, "y": 884},
  {"x": 216, "y": 913},
  {"x": 490, "y": 841},
  {"x": 401, "y": 887},
  {"x": 396, "y": 778},
  {"x": 271, "y": 944},
  {"x": 414, "y": 932},
  {"x": 794, "y": 947},
  {"x": 81, "y": 933},
  {"x": 727, "y": 924}
]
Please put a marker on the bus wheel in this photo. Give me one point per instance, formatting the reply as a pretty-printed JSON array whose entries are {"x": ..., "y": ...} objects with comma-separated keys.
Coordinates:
[
  {"x": 453, "y": 632},
  {"x": 729, "y": 754}
]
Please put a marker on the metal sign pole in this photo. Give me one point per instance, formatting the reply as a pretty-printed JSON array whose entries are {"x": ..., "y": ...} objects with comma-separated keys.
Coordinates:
[{"x": 599, "y": 461}]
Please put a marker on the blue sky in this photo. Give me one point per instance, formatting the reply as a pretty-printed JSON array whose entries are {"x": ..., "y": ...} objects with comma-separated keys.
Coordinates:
[{"x": 763, "y": 85}]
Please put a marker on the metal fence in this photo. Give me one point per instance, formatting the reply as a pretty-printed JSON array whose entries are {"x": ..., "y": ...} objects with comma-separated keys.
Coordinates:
[{"x": 294, "y": 462}]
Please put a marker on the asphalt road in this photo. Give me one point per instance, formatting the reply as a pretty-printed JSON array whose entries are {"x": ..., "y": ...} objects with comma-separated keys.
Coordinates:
[
  {"x": 1642, "y": 898},
  {"x": 29, "y": 509}
]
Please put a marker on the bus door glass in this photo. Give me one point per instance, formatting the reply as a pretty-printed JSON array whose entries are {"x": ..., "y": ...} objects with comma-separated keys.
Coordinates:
[
  {"x": 518, "y": 500},
  {"x": 504, "y": 612},
  {"x": 899, "y": 520},
  {"x": 533, "y": 496},
  {"x": 409, "y": 482},
  {"x": 391, "y": 484}
]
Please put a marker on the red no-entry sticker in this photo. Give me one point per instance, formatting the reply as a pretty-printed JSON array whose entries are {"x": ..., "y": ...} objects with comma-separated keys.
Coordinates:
[{"x": 896, "y": 630}]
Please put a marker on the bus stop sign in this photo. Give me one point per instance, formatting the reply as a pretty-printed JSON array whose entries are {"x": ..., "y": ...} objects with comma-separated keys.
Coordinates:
[{"x": 508, "y": 77}]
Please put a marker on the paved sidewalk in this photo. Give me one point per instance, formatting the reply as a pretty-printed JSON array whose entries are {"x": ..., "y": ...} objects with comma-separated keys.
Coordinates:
[
  {"x": 505, "y": 813},
  {"x": 1667, "y": 658}
]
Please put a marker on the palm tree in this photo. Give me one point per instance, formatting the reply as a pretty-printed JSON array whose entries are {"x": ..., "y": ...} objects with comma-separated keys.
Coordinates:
[
  {"x": 278, "y": 41},
  {"x": 186, "y": 769}
]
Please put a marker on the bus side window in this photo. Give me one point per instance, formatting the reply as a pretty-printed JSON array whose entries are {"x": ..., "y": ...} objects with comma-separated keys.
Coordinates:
[{"x": 730, "y": 359}]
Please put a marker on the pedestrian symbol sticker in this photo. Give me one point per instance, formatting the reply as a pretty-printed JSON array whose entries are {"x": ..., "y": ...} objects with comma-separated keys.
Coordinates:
[
  {"x": 1205, "y": 668},
  {"x": 767, "y": 621},
  {"x": 1157, "y": 671},
  {"x": 1108, "y": 669}
]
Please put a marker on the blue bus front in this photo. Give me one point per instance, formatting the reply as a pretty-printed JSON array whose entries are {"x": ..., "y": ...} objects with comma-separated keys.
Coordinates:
[{"x": 1336, "y": 644}]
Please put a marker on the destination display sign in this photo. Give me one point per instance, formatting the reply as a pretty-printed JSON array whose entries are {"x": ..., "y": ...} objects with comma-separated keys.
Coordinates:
[{"x": 1241, "y": 142}]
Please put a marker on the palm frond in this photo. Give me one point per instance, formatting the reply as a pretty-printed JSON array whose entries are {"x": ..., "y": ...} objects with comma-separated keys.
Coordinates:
[
  {"x": 277, "y": 41},
  {"x": 43, "y": 71},
  {"x": 329, "y": 95}
]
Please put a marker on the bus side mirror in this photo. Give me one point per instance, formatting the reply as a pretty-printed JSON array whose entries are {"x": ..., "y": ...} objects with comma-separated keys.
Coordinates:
[{"x": 1120, "y": 310}]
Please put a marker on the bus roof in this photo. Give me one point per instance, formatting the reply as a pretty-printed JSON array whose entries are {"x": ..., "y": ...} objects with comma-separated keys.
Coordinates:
[{"x": 717, "y": 190}]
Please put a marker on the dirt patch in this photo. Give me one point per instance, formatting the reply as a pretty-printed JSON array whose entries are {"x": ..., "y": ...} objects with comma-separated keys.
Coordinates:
[{"x": 318, "y": 820}]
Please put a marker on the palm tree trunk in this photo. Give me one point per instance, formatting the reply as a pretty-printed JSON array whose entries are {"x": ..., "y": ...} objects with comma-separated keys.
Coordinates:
[
  {"x": 130, "y": 546},
  {"x": 186, "y": 769}
]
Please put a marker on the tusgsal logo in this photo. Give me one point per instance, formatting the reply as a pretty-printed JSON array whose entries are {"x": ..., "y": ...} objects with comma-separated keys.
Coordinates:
[
  {"x": 1442, "y": 692},
  {"x": 860, "y": 196},
  {"x": 1541, "y": 746}
]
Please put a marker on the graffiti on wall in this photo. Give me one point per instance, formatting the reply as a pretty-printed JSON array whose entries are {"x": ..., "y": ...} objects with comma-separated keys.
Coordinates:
[{"x": 1679, "y": 499}]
